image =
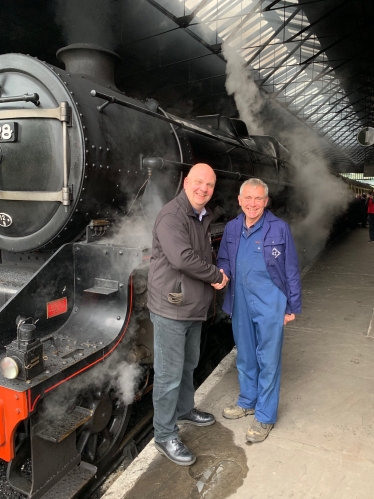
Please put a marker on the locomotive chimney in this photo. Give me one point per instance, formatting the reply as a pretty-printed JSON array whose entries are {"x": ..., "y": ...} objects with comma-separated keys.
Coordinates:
[{"x": 90, "y": 61}]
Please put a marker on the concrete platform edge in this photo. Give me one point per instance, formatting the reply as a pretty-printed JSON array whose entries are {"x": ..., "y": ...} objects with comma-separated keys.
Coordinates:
[{"x": 130, "y": 476}]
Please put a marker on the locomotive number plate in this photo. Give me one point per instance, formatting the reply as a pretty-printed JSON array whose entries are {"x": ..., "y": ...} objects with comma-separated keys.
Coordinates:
[
  {"x": 57, "y": 307},
  {"x": 8, "y": 131}
]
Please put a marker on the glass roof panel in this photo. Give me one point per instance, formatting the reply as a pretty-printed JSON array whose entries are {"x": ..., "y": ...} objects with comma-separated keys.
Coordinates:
[{"x": 274, "y": 38}]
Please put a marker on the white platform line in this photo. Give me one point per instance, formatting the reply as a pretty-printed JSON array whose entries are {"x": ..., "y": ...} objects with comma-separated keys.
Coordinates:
[{"x": 369, "y": 335}]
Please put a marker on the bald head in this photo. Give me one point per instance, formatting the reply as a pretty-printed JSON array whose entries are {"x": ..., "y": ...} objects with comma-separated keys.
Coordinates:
[
  {"x": 201, "y": 168},
  {"x": 199, "y": 185}
]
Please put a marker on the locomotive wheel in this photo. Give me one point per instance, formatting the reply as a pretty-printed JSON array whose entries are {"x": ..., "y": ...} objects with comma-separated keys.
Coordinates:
[{"x": 99, "y": 439}]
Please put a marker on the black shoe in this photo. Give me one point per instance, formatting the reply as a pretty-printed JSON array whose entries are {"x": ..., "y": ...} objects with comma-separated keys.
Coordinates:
[
  {"x": 197, "y": 418},
  {"x": 176, "y": 451}
]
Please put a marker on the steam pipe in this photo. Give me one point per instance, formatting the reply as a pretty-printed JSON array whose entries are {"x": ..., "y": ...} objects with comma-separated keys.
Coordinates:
[
  {"x": 151, "y": 163},
  {"x": 234, "y": 143}
]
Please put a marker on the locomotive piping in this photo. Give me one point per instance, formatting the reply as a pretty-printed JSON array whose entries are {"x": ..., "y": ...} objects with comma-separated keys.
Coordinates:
[
  {"x": 161, "y": 163},
  {"x": 34, "y": 98},
  {"x": 180, "y": 150},
  {"x": 113, "y": 100}
]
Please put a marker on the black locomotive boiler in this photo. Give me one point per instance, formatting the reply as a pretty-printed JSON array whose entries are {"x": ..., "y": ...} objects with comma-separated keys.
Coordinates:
[{"x": 83, "y": 171}]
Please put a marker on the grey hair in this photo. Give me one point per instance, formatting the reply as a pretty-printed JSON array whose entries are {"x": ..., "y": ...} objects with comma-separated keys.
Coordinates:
[{"x": 255, "y": 182}]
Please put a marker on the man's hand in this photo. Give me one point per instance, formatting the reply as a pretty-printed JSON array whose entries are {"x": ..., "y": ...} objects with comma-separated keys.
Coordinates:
[
  {"x": 288, "y": 318},
  {"x": 221, "y": 285}
]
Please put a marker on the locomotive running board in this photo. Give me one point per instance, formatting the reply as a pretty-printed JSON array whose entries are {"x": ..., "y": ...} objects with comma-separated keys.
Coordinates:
[{"x": 58, "y": 430}]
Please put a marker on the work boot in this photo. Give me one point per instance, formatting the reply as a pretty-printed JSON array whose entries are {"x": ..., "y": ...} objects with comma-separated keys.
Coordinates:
[
  {"x": 257, "y": 432},
  {"x": 176, "y": 451},
  {"x": 236, "y": 412},
  {"x": 197, "y": 418}
]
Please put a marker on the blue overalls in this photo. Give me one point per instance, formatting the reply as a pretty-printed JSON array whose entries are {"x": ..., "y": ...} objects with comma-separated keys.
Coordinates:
[{"x": 257, "y": 320}]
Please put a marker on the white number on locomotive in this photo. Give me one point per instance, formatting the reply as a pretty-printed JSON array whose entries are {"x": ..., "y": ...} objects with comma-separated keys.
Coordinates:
[
  {"x": 6, "y": 132},
  {"x": 5, "y": 220}
]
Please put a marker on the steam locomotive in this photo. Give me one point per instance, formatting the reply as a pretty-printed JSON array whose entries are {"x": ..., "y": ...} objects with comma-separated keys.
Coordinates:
[{"x": 84, "y": 170}]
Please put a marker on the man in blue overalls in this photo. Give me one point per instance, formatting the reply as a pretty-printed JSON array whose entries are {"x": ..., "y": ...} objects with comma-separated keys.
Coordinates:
[{"x": 258, "y": 254}]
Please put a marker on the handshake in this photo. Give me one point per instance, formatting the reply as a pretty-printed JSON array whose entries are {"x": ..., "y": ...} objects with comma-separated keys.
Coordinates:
[{"x": 221, "y": 285}]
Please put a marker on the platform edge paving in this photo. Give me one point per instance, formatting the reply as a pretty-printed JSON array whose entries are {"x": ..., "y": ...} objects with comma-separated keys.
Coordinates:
[{"x": 135, "y": 470}]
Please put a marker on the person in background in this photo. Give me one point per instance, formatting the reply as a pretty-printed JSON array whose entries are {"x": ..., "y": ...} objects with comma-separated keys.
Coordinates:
[
  {"x": 363, "y": 211},
  {"x": 370, "y": 214},
  {"x": 180, "y": 290},
  {"x": 258, "y": 255}
]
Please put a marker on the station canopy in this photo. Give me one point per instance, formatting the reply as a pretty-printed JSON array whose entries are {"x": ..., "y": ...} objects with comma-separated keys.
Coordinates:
[{"x": 312, "y": 56}]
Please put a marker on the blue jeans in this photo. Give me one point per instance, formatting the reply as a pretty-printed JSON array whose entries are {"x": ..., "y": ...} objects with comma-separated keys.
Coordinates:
[{"x": 177, "y": 352}]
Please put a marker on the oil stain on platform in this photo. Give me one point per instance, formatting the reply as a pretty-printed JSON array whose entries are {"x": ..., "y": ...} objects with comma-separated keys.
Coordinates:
[{"x": 218, "y": 472}]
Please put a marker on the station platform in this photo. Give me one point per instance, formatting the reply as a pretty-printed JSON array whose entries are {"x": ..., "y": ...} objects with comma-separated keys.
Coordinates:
[{"x": 323, "y": 443}]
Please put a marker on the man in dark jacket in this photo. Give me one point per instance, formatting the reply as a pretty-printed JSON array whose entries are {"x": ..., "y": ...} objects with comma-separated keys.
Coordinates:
[
  {"x": 258, "y": 254},
  {"x": 180, "y": 290}
]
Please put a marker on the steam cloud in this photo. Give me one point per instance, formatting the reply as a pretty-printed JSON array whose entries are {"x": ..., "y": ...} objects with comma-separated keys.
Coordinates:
[
  {"x": 89, "y": 21},
  {"x": 239, "y": 83},
  {"x": 113, "y": 373},
  {"x": 319, "y": 195}
]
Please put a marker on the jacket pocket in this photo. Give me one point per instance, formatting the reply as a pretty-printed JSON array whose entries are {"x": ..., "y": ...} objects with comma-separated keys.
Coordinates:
[
  {"x": 274, "y": 248},
  {"x": 174, "y": 292},
  {"x": 274, "y": 241}
]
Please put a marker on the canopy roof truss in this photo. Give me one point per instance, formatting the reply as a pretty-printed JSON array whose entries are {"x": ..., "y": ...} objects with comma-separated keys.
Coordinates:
[{"x": 278, "y": 43}]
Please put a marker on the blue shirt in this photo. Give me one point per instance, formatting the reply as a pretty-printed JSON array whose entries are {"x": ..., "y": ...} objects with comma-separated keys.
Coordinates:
[
  {"x": 252, "y": 228},
  {"x": 201, "y": 214}
]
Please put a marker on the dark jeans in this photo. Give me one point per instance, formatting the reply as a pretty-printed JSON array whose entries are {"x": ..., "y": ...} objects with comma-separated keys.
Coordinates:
[
  {"x": 177, "y": 352},
  {"x": 371, "y": 226}
]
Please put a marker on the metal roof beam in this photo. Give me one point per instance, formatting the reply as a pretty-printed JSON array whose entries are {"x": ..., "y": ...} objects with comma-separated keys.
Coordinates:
[
  {"x": 335, "y": 103},
  {"x": 308, "y": 61},
  {"x": 216, "y": 49},
  {"x": 345, "y": 133},
  {"x": 320, "y": 75},
  {"x": 343, "y": 2},
  {"x": 184, "y": 21},
  {"x": 290, "y": 54},
  {"x": 275, "y": 94},
  {"x": 274, "y": 35},
  {"x": 337, "y": 112},
  {"x": 243, "y": 21},
  {"x": 338, "y": 128},
  {"x": 313, "y": 96}
]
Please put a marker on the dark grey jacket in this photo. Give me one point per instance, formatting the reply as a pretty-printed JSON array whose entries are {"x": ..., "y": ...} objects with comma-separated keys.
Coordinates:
[{"x": 181, "y": 262}]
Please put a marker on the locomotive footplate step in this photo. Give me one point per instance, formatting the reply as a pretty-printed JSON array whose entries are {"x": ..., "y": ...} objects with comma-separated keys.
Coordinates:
[
  {"x": 63, "y": 427},
  {"x": 104, "y": 287},
  {"x": 72, "y": 483}
]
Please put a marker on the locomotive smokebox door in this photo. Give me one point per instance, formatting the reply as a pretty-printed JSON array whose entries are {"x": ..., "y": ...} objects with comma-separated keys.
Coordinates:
[{"x": 27, "y": 352}]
